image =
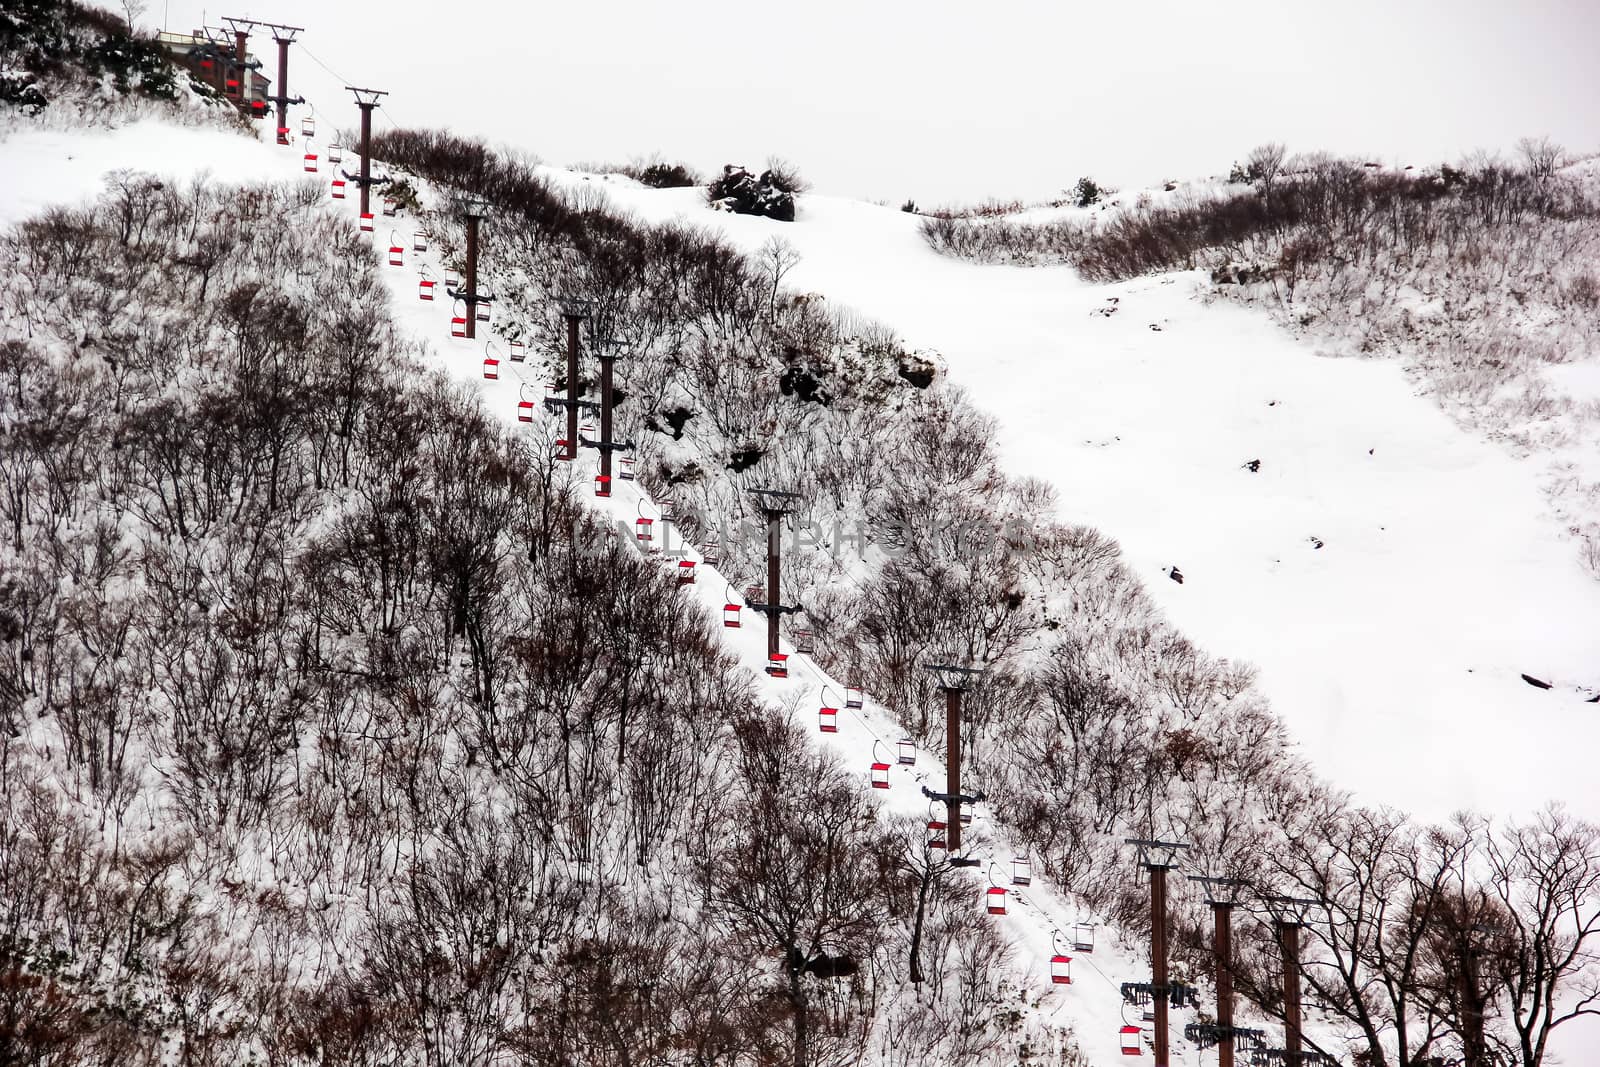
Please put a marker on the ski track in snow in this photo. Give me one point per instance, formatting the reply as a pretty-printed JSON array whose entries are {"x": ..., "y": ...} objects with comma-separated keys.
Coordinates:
[{"x": 1393, "y": 652}]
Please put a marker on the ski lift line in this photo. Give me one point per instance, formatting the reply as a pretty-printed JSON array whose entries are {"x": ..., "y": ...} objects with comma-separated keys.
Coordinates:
[{"x": 817, "y": 676}]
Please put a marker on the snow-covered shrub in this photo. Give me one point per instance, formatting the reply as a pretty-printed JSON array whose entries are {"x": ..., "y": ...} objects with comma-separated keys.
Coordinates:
[
  {"x": 743, "y": 193},
  {"x": 660, "y": 174}
]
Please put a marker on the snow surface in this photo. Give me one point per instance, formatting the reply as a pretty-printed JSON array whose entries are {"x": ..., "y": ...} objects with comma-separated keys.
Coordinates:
[{"x": 1393, "y": 651}]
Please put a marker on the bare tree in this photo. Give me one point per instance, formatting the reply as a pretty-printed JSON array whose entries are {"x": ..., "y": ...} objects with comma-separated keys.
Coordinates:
[
  {"x": 1265, "y": 162},
  {"x": 790, "y": 877},
  {"x": 1546, "y": 877},
  {"x": 1542, "y": 155},
  {"x": 132, "y": 9}
]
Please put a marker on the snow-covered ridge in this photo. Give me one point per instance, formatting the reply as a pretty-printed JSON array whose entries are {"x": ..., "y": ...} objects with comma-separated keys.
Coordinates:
[{"x": 841, "y": 242}]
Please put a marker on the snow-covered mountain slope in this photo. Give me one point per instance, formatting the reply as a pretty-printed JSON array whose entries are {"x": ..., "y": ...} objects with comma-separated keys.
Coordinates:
[
  {"x": 1377, "y": 649},
  {"x": 1394, "y": 650},
  {"x": 48, "y": 168}
]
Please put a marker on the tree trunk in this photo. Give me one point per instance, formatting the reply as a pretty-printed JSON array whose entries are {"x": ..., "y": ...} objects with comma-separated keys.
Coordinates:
[{"x": 916, "y": 928}]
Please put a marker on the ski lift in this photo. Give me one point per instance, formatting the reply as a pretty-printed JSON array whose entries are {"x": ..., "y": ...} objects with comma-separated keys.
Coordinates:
[
  {"x": 390, "y": 207},
  {"x": 458, "y": 326},
  {"x": 308, "y": 126},
  {"x": 283, "y": 135},
  {"x": 425, "y": 289},
  {"x": 491, "y": 368},
  {"x": 880, "y": 768},
  {"x": 233, "y": 86},
  {"x": 1061, "y": 969},
  {"x": 778, "y": 665},
  {"x": 397, "y": 253},
  {"x": 1060, "y": 962},
  {"x": 419, "y": 241},
  {"x": 258, "y": 108},
  {"x": 205, "y": 63},
  {"x": 730, "y": 610},
  {"x": 686, "y": 571},
  {"x": 1021, "y": 871},
  {"x": 452, "y": 278},
  {"x": 335, "y": 153},
  {"x": 602, "y": 485},
  {"x": 338, "y": 188},
  {"x": 828, "y": 714},
  {"x": 852, "y": 696},
  {"x": 519, "y": 351},
  {"x": 1131, "y": 1043},
  {"x": 906, "y": 752},
  {"x": 1083, "y": 937},
  {"x": 524, "y": 406},
  {"x": 625, "y": 469},
  {"x": 483, "y": 311},
  {"x": 804, "y": 642},
  {"x": 936, "y": 827},
  {"x": 643, "y": 528},
  {"x": 995, "y": 900},
  {"x": 309, "y": 163},
  {"x": 366, "y": 222}
]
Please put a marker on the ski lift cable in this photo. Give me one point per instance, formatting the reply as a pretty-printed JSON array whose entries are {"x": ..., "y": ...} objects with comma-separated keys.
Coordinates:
[
  {"x": 855, "y": 713},
  {"x": 1088, "y": 961}
]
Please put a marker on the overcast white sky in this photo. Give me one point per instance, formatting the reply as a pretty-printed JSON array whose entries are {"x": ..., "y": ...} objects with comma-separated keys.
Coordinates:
[{"x": 942, "y": 101}]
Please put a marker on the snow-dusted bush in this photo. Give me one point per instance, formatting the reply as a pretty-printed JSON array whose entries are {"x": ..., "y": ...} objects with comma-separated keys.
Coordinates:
[{"x": 771, "y": 194}]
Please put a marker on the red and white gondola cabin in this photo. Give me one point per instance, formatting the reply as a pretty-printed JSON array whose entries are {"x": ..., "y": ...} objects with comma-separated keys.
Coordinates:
[
  {"x": 602, "y": 485},
  {"x": 1132, "y": 1045},
  {"x": 686, "y": 572},
  {"x": 880, "y": 775},
  {"x": 283, "y": 135},
  {"x": 366, "y": 222},
  {"x": 397, "y": 256},
  {"x": 852, "y": 696},
  {"x": 483, "y": 312},
  {"x": 828, "y": 720},
  {"x": 1060, "y": 969},
  {"x": 906, "y": 752},
  {"x": 1021, "y": 871},
  {"x": 995, "y": 900},
  {"x": 425, "y": 288},
  {"x": 338, "y": 188},
  {"x": 310, "y": 163},
  {"x": 730, "y": 616},
  {"x": 390, "y": 206},
  {"x": 519, "y": 351},
  {"x": 524, "y": 411},
  {"x": 936, "y": 833},
  {"x": 491, "y": 368},
  {"x": 419, "y": 242},
  {"x": 335, "y": 153},
  {"x": 778, "y": 665},
  {"x": 643, "y": 528},
  {"x": 458, "y": 327},
  {"x": 308, "y": 127}
]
